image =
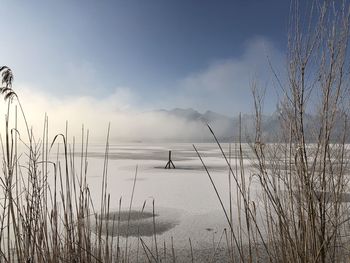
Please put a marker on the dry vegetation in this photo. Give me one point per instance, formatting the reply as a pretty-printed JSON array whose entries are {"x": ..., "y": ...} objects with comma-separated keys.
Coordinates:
[
  {"x": 40, "y": 222},
  {"x": 300, "y": 214}
]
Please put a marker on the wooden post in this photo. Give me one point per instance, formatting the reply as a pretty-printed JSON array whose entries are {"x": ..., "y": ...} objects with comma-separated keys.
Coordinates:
[{"x": 170, "y": 163}]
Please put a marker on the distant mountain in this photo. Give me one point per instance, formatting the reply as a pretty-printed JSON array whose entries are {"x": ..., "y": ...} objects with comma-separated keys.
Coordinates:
[
  {"x": 230, "y": 128},
  {"x": 225, "y": 128},
  {"x": 193, "y": 115}
]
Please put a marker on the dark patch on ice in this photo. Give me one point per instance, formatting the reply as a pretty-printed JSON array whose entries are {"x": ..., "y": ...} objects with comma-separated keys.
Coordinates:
[
  {"x": 161, "y": 154},
  {"x": 196, "y": 168},
  {"x": 125, "y": 215},
  {"x": 139, "y": 224},
  {"x": 146, "y": 155},
  {"x": 139, "y": 228}
]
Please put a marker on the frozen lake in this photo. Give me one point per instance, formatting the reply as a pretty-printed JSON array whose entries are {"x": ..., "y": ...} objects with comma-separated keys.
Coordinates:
[
  {"x": 186, "y": 205},
  {"x": 185, "y": 201}
]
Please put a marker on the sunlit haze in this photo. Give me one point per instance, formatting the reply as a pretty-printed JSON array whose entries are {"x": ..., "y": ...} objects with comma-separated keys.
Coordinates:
[{"x": 95, "y": 62}]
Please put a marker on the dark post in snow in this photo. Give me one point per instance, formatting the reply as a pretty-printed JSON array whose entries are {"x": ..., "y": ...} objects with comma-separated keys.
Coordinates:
[{"x": 170, "y": 163}]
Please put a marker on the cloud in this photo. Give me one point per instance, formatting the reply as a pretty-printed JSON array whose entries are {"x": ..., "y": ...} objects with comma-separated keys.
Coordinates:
[
  {"x": 225, "y": 84},
  {"x": 236, "y": 73},
  {"x": 223, "y": 87}
]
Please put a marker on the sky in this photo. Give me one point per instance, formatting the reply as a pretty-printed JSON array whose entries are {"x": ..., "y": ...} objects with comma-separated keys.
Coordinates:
[{"x": 140, "y": 56}]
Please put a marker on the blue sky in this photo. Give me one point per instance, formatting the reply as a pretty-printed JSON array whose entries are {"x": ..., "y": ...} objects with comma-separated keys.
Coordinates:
[{"x": 146, "y": 54}]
